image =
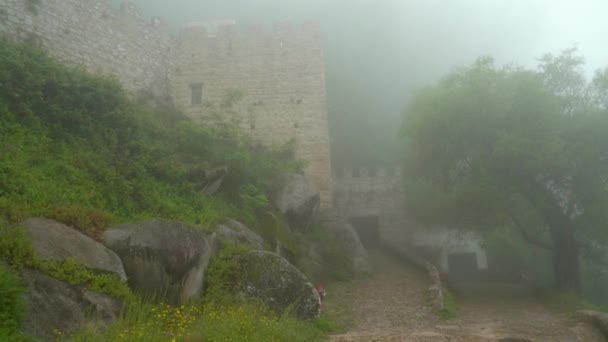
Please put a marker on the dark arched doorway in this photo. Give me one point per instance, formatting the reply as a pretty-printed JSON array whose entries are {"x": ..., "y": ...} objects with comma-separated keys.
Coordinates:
[{"x": 368, "y": 229}]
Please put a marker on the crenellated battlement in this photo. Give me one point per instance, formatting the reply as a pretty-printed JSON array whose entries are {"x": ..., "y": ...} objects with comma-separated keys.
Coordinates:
[
  {"x": 228, "y": 29},
  {"x": 367, "y": 172}
]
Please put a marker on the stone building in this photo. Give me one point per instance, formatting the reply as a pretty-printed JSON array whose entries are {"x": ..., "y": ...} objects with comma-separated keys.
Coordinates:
[
  {"x": 280, "y": 78},
  {"x": 279, "y": 73},
  {"x": 374, "y": 201}
]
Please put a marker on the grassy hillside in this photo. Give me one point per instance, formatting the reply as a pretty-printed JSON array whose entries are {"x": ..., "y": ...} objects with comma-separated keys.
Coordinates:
[{"x": 74, "y": 147}]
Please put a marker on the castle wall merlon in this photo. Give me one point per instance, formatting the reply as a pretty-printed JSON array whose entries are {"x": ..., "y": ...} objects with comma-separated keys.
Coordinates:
[
  {"x": 358, "y": 173},
  {"x": 284, "y": 31}
]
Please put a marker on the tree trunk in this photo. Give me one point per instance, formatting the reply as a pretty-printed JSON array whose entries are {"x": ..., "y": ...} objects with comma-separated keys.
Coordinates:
[{"x": 566, "y": 270}]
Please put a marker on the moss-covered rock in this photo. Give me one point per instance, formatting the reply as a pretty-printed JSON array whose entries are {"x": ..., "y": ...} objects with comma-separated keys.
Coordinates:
[
  {"x": 271, "y": 279},
  {"x": 162, "y": 258}
]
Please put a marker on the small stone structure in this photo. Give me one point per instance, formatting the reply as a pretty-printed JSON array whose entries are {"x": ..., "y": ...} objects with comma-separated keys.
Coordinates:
[{"x": 379, "y": 193}]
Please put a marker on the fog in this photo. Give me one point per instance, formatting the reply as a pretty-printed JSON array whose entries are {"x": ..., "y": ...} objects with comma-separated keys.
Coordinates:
[{"x": 379, "y": 52}]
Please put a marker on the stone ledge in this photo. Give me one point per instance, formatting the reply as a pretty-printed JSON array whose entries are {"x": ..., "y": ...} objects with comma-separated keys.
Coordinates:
[
  {"x": 598, "y": 320},
  {"x": 436, "y": 288}
]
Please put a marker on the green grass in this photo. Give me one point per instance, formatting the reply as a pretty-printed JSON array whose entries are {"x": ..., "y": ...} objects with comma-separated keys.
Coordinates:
[
  {"x": 77, "y": 149},
  {"x": 339, "y": 302},
  {"x": 566, "y": 303},
  {"x": 11, "y": 305},
  {"x": 208, "y": 322},
  {"x": 17, "y": 251},
  {"x": 450, "y": 309}
]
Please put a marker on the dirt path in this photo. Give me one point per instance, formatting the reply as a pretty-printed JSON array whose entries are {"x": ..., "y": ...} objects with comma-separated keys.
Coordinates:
[{"x": 393, "y": 305}]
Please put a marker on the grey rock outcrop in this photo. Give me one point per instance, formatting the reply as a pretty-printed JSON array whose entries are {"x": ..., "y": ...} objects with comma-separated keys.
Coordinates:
[
  {"x": 297, "y": 199},
  {"x": 346, "y": 240},
  {"x": 270, "y": 278},
  {"x": 232, "y": 231},
  {"x": 55, "y": 241},
  {"x": 162, "y": 258},
  {"x": 53, "y": 305},
  {"x": 599, "y": 320}
]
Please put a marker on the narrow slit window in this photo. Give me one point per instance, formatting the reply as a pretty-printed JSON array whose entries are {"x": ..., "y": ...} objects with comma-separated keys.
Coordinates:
[{"x": 197, "y": 94}]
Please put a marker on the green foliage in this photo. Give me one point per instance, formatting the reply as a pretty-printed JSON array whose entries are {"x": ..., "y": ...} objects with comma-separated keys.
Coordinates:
[
  {"x": 77, "y": 149},
  {"x": 224, "y": 270},
  {"x": 449, "y": 310},
  {"x": 492, "y": 147},
  {"x": 16, "y": 249},
  {"x": 74, "y": 273},
  {"x": 11, "y": 305},
  {"x": 209, "y": 322},
  {"x": 565, "y": 302},
  {"x": 339, "y": 303}
]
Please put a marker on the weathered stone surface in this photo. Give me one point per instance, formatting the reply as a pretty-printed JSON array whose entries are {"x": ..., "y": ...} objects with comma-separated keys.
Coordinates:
[
  {"x": 97, "y": 36},
  {"x": 598, "y": 319},
  {"x": 56, "y": 241},
  {"x": 297, "y": 199},
  {"x": 270, "y": 278},
  {"x": 346, "y": 240},
  {"x": 162, "y": 258},
  {"x": 232, "y": 231},
  {"x": 53, "y": 305}
]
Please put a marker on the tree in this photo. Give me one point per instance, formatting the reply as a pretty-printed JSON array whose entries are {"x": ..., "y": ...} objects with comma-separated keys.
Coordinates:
[{"x": 517, "y": 148}]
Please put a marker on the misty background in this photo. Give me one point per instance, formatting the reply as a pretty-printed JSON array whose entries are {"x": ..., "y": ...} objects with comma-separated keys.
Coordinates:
[{"x": 378, "y": 53}]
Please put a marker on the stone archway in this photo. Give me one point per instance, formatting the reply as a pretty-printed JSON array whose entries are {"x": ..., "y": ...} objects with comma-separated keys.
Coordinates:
[{"x": 368, "y": 229}]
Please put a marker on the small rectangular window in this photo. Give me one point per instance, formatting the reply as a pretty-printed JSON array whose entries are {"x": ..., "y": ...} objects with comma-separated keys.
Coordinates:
[{"x": 197, "y": 94}]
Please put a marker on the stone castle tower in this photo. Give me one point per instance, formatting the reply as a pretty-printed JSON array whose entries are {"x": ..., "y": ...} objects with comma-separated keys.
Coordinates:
[{"x": 280, "y": 73}]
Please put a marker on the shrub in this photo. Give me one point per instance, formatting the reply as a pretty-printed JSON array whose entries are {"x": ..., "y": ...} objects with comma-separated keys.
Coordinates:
[
  {"x": 11, "y": 305},
  {"x": 223, "y": 272}
]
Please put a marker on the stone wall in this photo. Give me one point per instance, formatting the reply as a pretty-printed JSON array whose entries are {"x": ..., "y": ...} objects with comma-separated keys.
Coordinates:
[
  {"x": 373, "y": 192},
  {"x": 94, "y": 35},
  {"x": 280, "y": 73},
  {"x": 280, "y": 77},
  {"x": 380, "y": 192}
]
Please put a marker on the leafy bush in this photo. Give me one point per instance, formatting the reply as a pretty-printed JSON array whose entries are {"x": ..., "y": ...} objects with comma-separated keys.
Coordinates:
[
  {"x": 11, "y": 305},
  {"x": 223, "y": 271}
]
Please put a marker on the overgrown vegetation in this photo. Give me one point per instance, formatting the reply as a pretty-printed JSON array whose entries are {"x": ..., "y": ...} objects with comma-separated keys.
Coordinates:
[
  {"x": 76, "y": 149},
  {"x": 17, "y": 251},
  {"x": 449, "y": 309},
  {"x": 212, "y": 322},
  {"x": 223, "y": 271},
  {"x": 519, "y": 150},
  {"x": 11, "y": 305}
]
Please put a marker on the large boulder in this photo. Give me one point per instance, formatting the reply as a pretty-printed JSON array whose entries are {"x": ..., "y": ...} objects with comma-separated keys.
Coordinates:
[
  {"x": 54, "y": 306},
  {"x": 297, "y": 199},
  {"x": 232, "y": 231},
  {"x": 270, "y": 278},
  {"x": 167, "y": 259},
  {"x": 55, "y": 241},
  {"x": 597, "y": 319},
  {"x": 346, "y": 241}
]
